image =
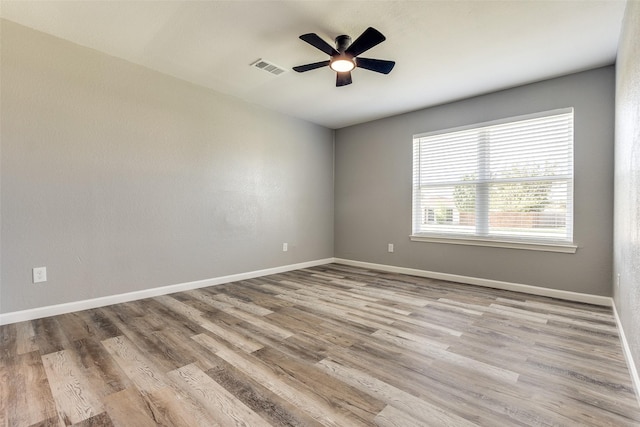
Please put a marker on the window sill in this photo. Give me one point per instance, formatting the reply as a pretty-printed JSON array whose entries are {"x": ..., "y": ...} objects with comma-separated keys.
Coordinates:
[{"x": 566, "y": 248}]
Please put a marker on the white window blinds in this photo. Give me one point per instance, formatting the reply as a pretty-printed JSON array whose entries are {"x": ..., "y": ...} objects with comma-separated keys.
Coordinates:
[{"x": 508, "y": 180}]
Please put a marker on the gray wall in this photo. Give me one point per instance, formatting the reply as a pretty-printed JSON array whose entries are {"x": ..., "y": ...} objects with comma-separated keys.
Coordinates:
[
  {"x": 373, "y": 188},
  {"x": 626, "y": 238},
  {"x": 118, "y": 178}
]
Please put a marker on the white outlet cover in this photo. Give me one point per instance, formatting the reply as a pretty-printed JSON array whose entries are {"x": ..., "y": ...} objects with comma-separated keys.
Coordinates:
[
  {"x": 39, "y": 274},
  {"x": 390, "y": 247},
  {"x": 285, "y": 247}
]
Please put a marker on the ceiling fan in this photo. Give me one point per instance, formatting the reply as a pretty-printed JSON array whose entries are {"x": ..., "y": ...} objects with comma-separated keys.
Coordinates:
[{"x": 344, "y": 57}]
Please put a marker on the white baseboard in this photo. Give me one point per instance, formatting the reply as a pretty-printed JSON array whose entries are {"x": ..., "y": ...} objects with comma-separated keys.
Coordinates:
[
  {"x": 53, "y": 310},
  {"x": 517, "y": 287},
  {"x": 635, "y": 378}
]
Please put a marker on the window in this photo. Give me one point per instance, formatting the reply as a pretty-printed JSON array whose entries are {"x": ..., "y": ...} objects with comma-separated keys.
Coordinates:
[{"x": 502, "y": 183}]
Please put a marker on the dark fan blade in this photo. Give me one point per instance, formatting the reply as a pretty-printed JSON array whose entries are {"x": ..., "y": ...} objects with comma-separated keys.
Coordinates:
[
  {"x": 309, "y": 67},
  {"x": 366, "y": 41},
  {"x": 377, "y": 65},
  {"x": 314, "y": 40},
  {"x": 343, "y": 79}
]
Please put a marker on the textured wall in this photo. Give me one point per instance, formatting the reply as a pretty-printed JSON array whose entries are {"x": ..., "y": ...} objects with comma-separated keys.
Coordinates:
[
  {"x": 118, "y": 178},
  {"x": 373, "y": 188},
  {"x": 626, "y": 260}
]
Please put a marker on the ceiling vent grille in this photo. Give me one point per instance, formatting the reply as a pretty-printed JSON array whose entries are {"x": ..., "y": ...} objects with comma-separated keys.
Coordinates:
[{"x": 267, "y": 66}]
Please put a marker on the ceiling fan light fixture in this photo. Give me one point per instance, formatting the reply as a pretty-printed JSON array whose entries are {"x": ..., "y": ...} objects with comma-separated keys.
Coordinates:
[{"x": 342, "y": 64}]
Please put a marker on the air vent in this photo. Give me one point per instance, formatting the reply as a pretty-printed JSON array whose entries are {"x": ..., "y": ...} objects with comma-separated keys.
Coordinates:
[{"x": 269, "y": 67}]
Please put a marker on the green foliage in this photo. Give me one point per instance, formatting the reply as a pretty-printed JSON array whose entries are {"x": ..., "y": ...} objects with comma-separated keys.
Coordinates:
[
  {"x": 465, "y": 195},
  {"x": 444, "y": 215},
  {"x": 527, "y": 196}
]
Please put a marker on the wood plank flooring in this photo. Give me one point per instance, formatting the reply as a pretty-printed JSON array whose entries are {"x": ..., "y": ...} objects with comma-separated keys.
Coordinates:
[{"x": 325, "y": 346}]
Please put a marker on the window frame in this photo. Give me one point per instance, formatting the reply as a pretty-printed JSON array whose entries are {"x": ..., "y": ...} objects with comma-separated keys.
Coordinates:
[{"x": 512, "y": 242}]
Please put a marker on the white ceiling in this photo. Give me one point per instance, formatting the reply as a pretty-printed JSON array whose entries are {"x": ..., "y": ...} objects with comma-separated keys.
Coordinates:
[{"x": 444, "y": 50}]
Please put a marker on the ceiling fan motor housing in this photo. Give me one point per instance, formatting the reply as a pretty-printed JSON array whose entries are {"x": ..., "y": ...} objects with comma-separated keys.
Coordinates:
[
  {"x": 342, "y": 43},
  {"x": 344, "y": 61}
]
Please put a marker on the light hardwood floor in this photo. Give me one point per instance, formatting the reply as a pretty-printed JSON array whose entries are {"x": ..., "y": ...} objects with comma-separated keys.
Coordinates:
[{"x": 330, "y": 345}]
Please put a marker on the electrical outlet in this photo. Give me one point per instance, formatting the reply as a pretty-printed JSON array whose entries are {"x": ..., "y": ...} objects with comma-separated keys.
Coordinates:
[
  {"x": 39, "y": 274},
  {"x": 390, "y": 247},
  {"x": 618, "y": 281},
  {"x": 285, "y": 247}
]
